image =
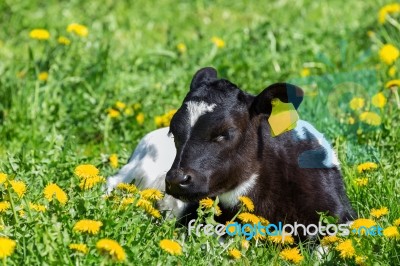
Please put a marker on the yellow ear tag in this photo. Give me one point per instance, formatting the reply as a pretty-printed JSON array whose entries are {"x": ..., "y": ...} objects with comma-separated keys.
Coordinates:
[{"x": 283, "y": 117}]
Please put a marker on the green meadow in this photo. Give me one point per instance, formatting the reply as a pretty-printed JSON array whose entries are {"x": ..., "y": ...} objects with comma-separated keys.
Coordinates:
[{"x": 81, "y": 82}]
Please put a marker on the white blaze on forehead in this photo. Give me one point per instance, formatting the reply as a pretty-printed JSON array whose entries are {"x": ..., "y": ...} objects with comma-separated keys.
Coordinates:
[
  {"x": 230, "y": 198},
  {"x": 197, "y": 109}
]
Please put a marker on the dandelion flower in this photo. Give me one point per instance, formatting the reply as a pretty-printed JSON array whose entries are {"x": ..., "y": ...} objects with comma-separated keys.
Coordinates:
[
  {"x": 392, "y": 71},
  {"x": 127, "y": 187},
  {"x": 120, "y": 105},
  {"x": 112, "y": 248},
  {"x": 248, "y": 218},
  {"x": 37, "y": 207},
  {"x": 112, "y": 113},
  {"x": 88, "y": 226},
  {"x": 346, "y": 249},
  {"x": 361, "y": 182},
  {"x": 54, "y": 190},
  {"x": 379, "y": 100},
  {"x": 387, "y": 10},
  {"x": 206, "y": 203},
  {"x": 128, "y": 111},
  {"x": 235, "y": 253},
  {"x": 63, "y": 40},
  {"x": 79, "y": 247},
  {"x": 165, "y": 119},
  {"x": 90, "y": 182},
  {"x": 4, "y": 205},
  {"x": 86, "y": 170},
  {"x": 148, "y": 207},
  {"x": 218, "y": 42},
  {"x": 360, "y": 260},
  {"x": 247, "y": 203},
  {"x": 279, "y": 239},
  {"x": 389, "y": 53},
  {"x": 151, "y": 194},
  {"x": 291, "y": 255},
  {"x": 263, "y": 220},
  {"x": 363, "y": 224},
  {"x": 357, "y": 103},
  {"x": 3, "y": 178},
  {"x": 305, "y": 72},
  {"x": 78, "y": 29},
  {"x": 113, "y": 159},
  {"x": 397, "y": 222},
  {"x": 43, "y": 76},
  {"x": 19, "y": 187},
  {"x": 140, "y": 118},
  {"x": 127, "y": 201},
  {"x": 7, "y": 247},
  {"x": 393, "y": 83},
  {"x": 181, "y": 48},
  {"x": 40, "y": 34},
  {"x": 366, "y": 166},
  {"x": 245, "y": 244},
  {"x": 378, "y": 213},
  {"x": 171, "y": 246},
  {"x": 391, "y": 232},
  {"x": 328, "y": 240},
  {"x": 21, "y": 213}
]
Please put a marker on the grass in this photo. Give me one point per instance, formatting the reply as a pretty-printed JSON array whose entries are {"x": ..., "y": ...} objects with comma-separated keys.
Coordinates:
[{"x": 48, "y": 128}]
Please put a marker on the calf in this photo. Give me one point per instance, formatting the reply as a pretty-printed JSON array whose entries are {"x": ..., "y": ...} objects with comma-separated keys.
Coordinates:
[{"x": 220, "y": 144}]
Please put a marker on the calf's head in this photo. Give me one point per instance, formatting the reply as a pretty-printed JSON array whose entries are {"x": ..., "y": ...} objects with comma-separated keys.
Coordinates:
[{"x": 216, "y": 135}]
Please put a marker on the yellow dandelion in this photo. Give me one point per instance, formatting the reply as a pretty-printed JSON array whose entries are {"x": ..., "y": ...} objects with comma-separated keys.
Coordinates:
[
  {"x": 3, "y": 178},
  {"x": 291, "y": 255},
  {"x": 263, "y": 220},
  {"x": 217, "y": 210},
  {"x": 357, "y": 103},
  {"x": 43, "y": 76},
  {"x": 351, "y": 120},
  {"x": 181, "y": 48},
  {"x": 366, "y": 166},
  {"x": 86, "y": 170},
  {"x": 111, "y": 248},
  {"x": 83, "y": 248},
  {"x": 155, "y": 213},
  {"x": 361, "y": 182},
  {"x": 370, "y": 118},
  {"x": 7, "y": 247},
  {"x": 206, "y": 203},
  {"x": 279, "y": 239},
  {"x": 305, "y": 72},
  {"x": 128, "y": 111},
  {"x": 329, "y": 240},
  {"x": 245, "y": 244},
  {"x": 127, "y": 201},
  {"x": 113, "y": 159},
  {"x": 19, "y": 187},
  {"x": 379, "y": 100},
  {"x": 389, "y": 53},
  {"x": 393, "y": 83},
  {"x": 21, "y": 213},
  {"x": 391, "y": 232},
  {"x": 346, "y": 249},
  {"x": 148, "y": 207},
  {"x": 37, "y": 207},
  {"x": 90, "y": 182},
  {"x": 232, "y": 228},
  {"x": 247, "y": 217},
  {"x": 88, "y": 226},
  {"x": 120, "y": 105},
  {"x": 378, "y": 213},
  {"x": 151, "y": 194},
  {"x": 112, "y": 113},
  {"x": 360, "y": 260},
  {"x": 171, "y": 246},
  {"x": 63, "y": 40},
  {"x": 392, "y": 71},
  {"x": 387, "y": 10},
  {"x": 235, "y": 253},
  {"x": 218, "y": 42},
  {"x": 361, "y": 224},
  {"x": 397, "y": 222},
  {"x": 4, "y": 205},
  {"x": 247, "y": 203},
  {"x": 78, "y": 29},
  {"x": 39, "y": 34},
  {"x": 127, "y": 187},
  {"x": 140, "y": 118},
  {"x": 54, "y": 190},
  {"x": 165, "y": 119}
]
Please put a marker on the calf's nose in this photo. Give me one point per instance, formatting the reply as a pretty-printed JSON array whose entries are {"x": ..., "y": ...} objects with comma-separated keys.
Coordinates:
[{"x": 177, "y": 178}]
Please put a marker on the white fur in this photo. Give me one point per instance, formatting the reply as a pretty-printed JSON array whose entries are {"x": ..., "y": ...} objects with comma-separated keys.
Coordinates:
[
  {"x": 197, "y": 109},
  {"x": 230, "y": 198},
  {"x": 148, "y": 165},
  {"x": 331, "y": 159}
]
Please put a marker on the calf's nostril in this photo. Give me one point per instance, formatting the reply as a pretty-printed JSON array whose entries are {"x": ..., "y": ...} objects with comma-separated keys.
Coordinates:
[{"x": 185, "y": 180}]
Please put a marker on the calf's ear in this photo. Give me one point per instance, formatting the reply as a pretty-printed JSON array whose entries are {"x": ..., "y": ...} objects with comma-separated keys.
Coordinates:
[
  {"x": 285, "y": 92},
  {"x": 203, "y": 76}
]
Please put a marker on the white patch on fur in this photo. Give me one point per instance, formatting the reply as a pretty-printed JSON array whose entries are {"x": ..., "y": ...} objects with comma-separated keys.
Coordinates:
[
  {"x": 148, "y": 165},
  {"x": 230, "y": 198},
  {"x": 331, "y": 159},
  {"x": 197, "y": 109}
]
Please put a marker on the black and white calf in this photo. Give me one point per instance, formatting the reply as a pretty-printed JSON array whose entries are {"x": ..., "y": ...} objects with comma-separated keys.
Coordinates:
[{"x": 219, "y": 144}]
